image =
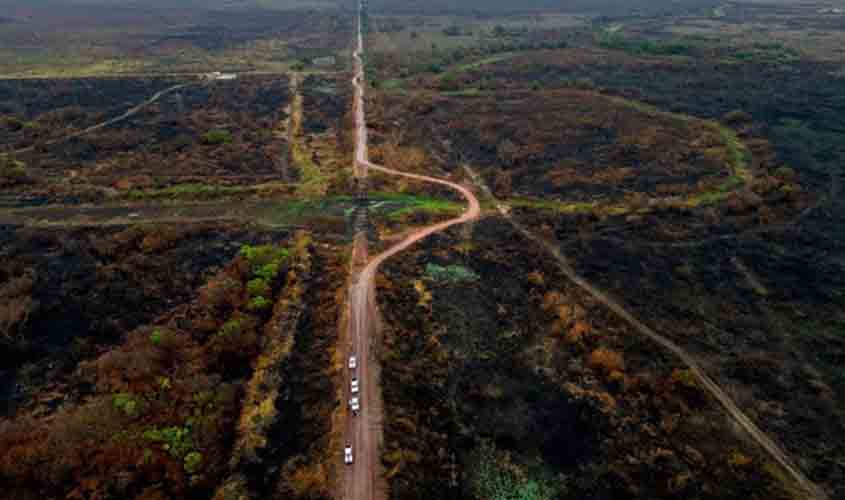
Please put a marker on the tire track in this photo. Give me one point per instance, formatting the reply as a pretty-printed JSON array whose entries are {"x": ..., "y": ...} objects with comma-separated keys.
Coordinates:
[
  {"x": 93, "y": 128},
  {"x": 777, "y": 454},
  {"x": 363, "y": 479}
]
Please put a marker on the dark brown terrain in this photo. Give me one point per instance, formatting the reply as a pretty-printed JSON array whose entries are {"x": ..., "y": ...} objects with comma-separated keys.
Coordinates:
[{"x": 585, "y": 250}]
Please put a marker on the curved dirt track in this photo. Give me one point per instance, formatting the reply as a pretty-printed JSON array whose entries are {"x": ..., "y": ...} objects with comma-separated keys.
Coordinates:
[
  {"x": 363, "y": 480},
  {"x": 811, "y": 490}
]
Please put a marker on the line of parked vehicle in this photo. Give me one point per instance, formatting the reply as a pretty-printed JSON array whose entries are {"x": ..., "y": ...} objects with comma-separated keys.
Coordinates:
[{"x": 354, "y": 405}]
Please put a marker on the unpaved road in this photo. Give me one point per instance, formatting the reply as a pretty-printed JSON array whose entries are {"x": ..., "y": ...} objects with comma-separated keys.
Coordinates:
[
  {"x": 363, "y": 479},
  {"x": 775, "y": 452}
]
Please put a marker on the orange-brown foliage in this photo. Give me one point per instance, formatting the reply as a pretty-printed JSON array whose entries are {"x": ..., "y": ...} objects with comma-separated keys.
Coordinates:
[
  {"x": 172, "y": 380},
  {"x": 606, "y": 360},
  {"x": 551, "y": 300},
  {"x": 578, "y": 331}
]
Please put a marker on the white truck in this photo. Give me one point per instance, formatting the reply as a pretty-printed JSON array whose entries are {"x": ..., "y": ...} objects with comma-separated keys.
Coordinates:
[
  {"x": 354, "y": 405},
  {"x": 354, "y": 386},
  {"x": 347, "y": 455}
]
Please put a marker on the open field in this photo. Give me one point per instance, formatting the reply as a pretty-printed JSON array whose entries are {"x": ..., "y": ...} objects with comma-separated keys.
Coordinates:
[{"x": 52, "y": 39}]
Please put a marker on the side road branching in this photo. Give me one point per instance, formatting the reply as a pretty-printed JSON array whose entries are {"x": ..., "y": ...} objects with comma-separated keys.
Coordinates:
[{"x": 812, "y": 490}]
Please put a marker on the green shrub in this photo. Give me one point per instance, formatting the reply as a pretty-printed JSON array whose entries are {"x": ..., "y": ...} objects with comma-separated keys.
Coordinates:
[
  {"x": 258, "y": 287},
  {"x": 268, "y": 272},
  {"x": 216, "y": 137},
  {"x": 261, "y": 255},
  {"x": 175, "y": 440},
  {"x": 616, "y": 41},
  {"x": 192, "y": 462},
  {"x": 127, "y": 404},
  {"x": 231, "y": 328},
  {"x": 497, "y": 477},
  {"x": 258, "y": 304},
  {"x": 450, "y": 274}
]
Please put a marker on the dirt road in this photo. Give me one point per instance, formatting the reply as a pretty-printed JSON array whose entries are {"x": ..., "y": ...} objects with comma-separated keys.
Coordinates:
[
  {"x": 363, "y": 479},
  {"x": 775, "y": 452}
]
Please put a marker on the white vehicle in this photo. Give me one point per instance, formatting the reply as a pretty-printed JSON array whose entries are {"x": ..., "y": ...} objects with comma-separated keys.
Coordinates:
[
  {"x": 355, "y": 405},
  {"x": 354, "y": 386},
  {"x": 347, "y": 455},
  {"x": 353, "y": 362}
]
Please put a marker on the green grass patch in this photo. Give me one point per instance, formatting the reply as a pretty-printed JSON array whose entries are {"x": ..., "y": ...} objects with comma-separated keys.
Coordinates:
[
  {"x": 724, "y": 189},
  {"x": 415, "y": 203},
  {"x": 553, "y": 205},
  {"x": 313, "y": 181},
  {"x": 611, "y": 39},
  {"x": 504, "y": 56},
  {"x": 767, "y": 52},
  {"x": 178, "y": 442},
  {"x": 739, "y": 157},
  {"x": 216, "y": 137},
  {"x": 127, "y": 404},
  {"x": 188, "y": 191},
  {"x": 392, "y": 84},
  {"x": 498, "y": 476},
  {"x": 450, "y": 274}
]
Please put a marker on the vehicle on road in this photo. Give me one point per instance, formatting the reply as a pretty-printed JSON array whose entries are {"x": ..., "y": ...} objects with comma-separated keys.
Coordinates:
[
  {"x": 353, "y": 362},
  {"x": 354, "y": 405},
  {"x": 347, "y": 455},
  {"x": 355, "y": 386}
]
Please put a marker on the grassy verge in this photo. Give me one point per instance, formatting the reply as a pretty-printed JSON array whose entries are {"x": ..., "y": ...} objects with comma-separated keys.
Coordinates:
[
  {"x": 414, "y": 203},
  {"x": 737, "y": 157},
  {"x": 504, "y": 56},
  {"x": 201, "y": 191},
  {"x": 562, "y": 207},
  {"x": 313, "y": 182}
]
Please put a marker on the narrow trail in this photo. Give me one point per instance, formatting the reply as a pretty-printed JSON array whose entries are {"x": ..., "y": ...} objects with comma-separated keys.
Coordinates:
[
  {"x": 792, "y": 225},
  {"x": 93, "y": 128},
  {"x": 810, "y": 489},
  {"x": 363, "y": 480}
]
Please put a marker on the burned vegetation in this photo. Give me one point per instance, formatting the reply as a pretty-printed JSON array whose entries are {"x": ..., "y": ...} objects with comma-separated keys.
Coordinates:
[
  {"x": 194, "y": 130},
  {"x": 529, "y": 385},
  {"x": 692, "y": 177},
  {"x": 199, "y": 377},
  {"x": 688, "y": 166}
]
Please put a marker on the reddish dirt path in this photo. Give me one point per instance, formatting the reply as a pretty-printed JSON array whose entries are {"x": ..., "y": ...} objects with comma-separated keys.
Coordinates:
[{"x": 363, "y": 480}]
